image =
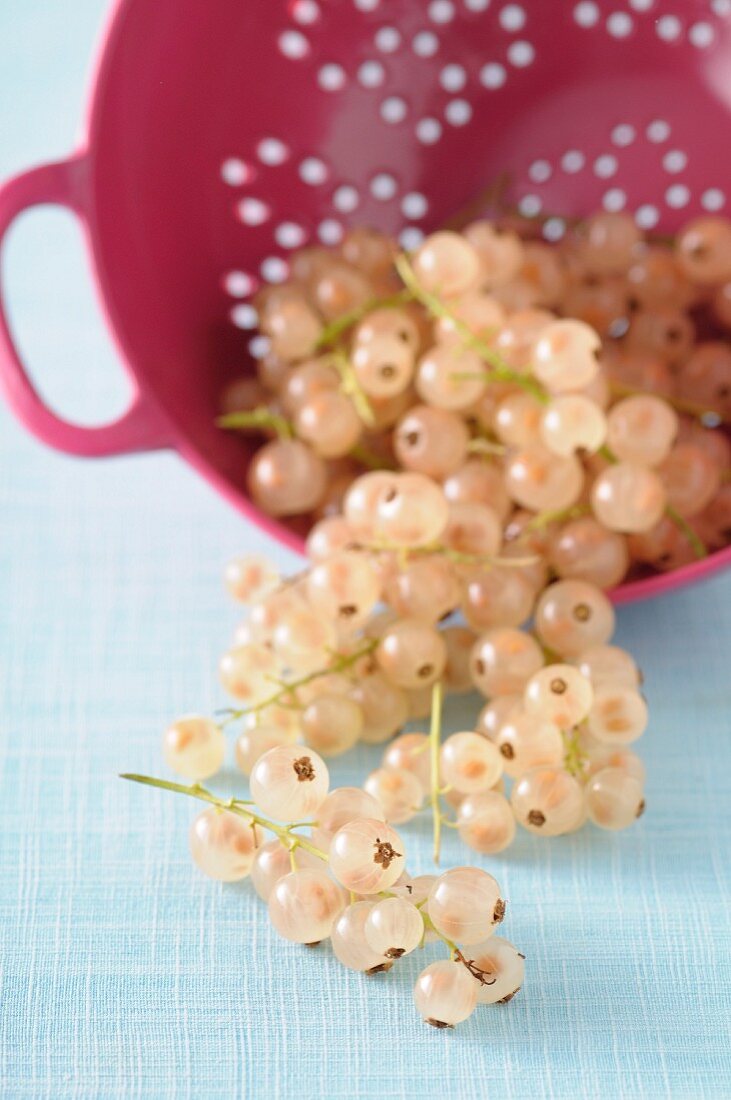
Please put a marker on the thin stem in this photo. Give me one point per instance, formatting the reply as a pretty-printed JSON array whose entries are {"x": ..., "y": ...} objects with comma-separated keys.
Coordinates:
[
  {"x": 429, "y": 926},
  {"x": 350, "y": 386},
  {"x": 501, "y": 371},
  {"x": 696, "y": 542},
  {"x": 545, "y": 519},
  {"x": 435, "y": 738},
  {"x": 340, "y": 664},
  {"x": 482, "y": 446},
  {"x": 234, "y": 806},
  {"x": 574, "y": 757},
  {"x": 434, "y": 549},
  {"x": 332, "y": 332},
  {"x": 258, "y": 419}
]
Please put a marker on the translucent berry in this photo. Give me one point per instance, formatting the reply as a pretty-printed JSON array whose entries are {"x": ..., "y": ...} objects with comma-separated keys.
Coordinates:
[
  {"x": 431, "y": 441},
  {"x": 541, "y": 481},
  {"x": 565, "y": 355},
  {"x": 394, "y": 927},
  {"x": 286, "y": 478},
  {"x": 247, "y": 672},
  {"x": 250, "y": 579},
  {"x": 304, "y": 905},
  {"x": 447, "y": 264},
  {"x": 349, "y": 944},
  {"x": 628, "y": 498},
  {"x": 614, "y": 799},
  {"x": 384, "y": 365},
  {"x": 289, "y": 783},
  {"x": 504, "y": 660},
  {"x": 411, "y": 653},
  {"x": 527, "y": 741},
  {"x": 560, "y": 694},
  {"x": 548, "y": 801},
  {"x": 585, "y": 550},
  {"x": 502, "y": 967},
  {"x": 469, "y": 762},
  {"x": 486, "y": 822},
  {"x": 573, "y": 423},
  {"x": 572, "y": 615},
  {"x": 642, "y": 429},
  {"x": 398, "y": 791},
  {"x": 366, "y": 856},
  {"x": 618, "y": 715},
  {"x": 703, "y": 248},
  {"x": 465, "y": 905},
  {"x": 194, "y": 747}
]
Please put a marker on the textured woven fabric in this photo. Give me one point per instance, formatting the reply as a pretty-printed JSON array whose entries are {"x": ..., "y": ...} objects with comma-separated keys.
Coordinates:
[{"x": 123, "y": 972}]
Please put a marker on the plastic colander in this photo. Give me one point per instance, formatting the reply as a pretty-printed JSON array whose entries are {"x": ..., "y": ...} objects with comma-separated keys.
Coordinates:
[{"x": 222, "y": 135}]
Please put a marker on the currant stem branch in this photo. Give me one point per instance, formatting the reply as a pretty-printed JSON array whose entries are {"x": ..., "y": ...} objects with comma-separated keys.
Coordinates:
[
  {"x": 352, "y": 388},
  {"x": 341, "y": 663},
  {"x": 501, "y": 371},
  {"x": 332, "y": 332},
  {"x": 258, "y": 419},
  {"x": 435, "y": 738},
  {"x": 435, "y": 549},
  {"x": 696, "y": 542},
  {"x": 290, "y": 839}
]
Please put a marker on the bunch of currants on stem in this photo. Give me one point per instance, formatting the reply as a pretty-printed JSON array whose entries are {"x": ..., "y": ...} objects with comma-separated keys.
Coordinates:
[{"x": 348, "y": 883}]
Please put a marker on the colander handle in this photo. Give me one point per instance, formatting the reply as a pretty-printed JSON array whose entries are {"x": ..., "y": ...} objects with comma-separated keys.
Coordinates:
[{"x": 141, "y": 427}]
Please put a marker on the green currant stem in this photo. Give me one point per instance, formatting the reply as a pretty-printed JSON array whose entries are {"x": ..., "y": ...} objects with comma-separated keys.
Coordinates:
[
  {"x": 696, "y": 542},
  {"x": 235, "y": 806},
  {"x": 438, "y": 549},
  {"x": 482, "y": 446},
  {"x": 332, "y": 332},
  {"x": 501, "y": 371},
  {"x": 350, "y": 386},
  {"x": 574, "y": 758},
  {"x": 340, "y": 664},
  {"x": 545, "y": 519},
  {"x": 435, "y": 738},
  {"x": 258, "y": 419},
  {"x": 698, "y": 546}
]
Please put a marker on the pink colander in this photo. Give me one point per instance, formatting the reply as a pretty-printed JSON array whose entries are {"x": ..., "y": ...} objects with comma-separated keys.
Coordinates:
[{"x": 220, "y": 136}]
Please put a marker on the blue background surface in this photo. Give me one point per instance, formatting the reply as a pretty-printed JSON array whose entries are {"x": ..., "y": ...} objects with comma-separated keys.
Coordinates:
[{"x": 125, "y": 973}]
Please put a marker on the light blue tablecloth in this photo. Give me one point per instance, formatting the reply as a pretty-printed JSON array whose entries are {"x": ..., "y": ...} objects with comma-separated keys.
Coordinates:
[{"x": 125, "y": 973}]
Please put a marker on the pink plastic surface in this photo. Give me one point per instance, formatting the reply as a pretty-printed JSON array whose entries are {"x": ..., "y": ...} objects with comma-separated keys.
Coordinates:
[{"x": 221, "y": 135}]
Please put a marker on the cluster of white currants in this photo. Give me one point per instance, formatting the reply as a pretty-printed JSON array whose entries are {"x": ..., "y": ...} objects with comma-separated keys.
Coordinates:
[
  {"x": 566, "y": 382},
  {"x": 352, "y": 648},
  {"x": 348, "y": 883}
]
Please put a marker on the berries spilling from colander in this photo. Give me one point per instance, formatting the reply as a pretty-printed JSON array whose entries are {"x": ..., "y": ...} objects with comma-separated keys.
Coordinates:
[
  {"x": 580, "y": 390},
  {"x": 479, "y": 438}
]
